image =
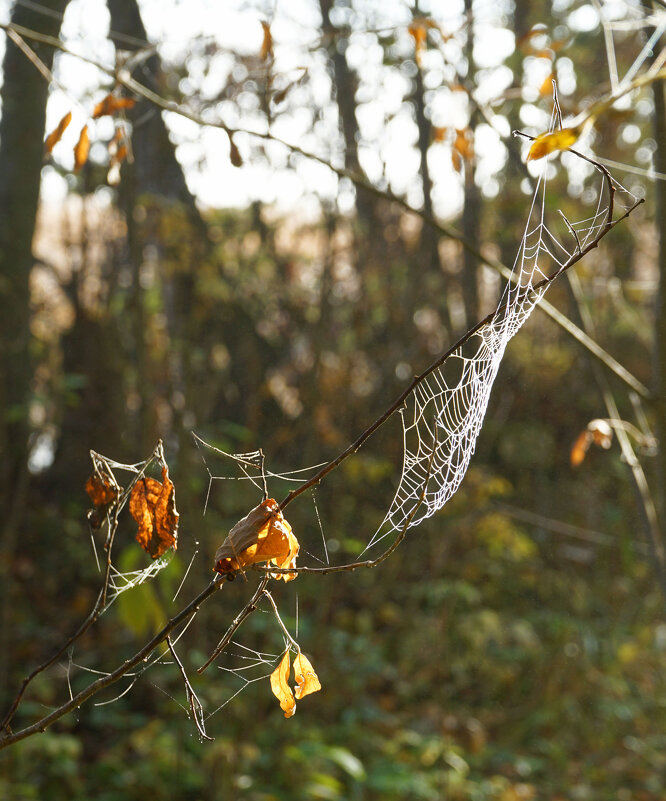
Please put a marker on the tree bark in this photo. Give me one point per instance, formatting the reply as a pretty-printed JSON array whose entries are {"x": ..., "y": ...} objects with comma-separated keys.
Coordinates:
[
  {"x": 24, "y": 95},
  {"x": 659, "y": 96}
]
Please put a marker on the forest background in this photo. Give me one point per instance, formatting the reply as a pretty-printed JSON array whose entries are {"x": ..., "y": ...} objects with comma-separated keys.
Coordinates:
[{"x": 514, "y": 646}]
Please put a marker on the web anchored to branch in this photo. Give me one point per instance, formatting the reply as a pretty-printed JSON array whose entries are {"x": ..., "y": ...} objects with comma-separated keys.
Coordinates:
[{"x": 442, "y": 410}]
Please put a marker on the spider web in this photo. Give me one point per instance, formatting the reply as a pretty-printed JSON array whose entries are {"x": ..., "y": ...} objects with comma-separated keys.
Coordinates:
[{"x": 443, "y": 415}]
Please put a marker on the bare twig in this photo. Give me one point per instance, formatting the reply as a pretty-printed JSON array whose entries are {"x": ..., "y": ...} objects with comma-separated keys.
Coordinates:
[
  {"x": 192, "y": 699},
  {"x": 246, "y": 611},
  {"x": 8, "y": 738}
]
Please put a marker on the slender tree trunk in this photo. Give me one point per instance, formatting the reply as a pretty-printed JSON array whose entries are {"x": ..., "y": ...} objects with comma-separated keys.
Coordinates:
[
  {"x": 345, "y": 86},
  {"x": 471, "y": 217},
  {"x": 24, "y": 95},
  {"x": 659, "y": 95},
  {"x": 156, "y": 175}
]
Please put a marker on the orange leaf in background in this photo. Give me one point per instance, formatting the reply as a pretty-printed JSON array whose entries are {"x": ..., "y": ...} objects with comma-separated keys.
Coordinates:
[
  {"x": 280, "y": 686},
  {"x": 598, "y": 432},
  {"x": 307, "y": 680},
  {"x": 456, "y": 161},
  {"x": 546, "y": 87},
  {"x": 580, "y": 448},
  {"x": 81, "y": 149},
  {"x": 262, "y": 535},
  {"x": 438, "y": 134},
  {"x": 56, "y": 134},
  {"x": 547, "y": 143},
  {"x": 153, "y": 506},
  {"x": 463, "y": 143},
  {"x": 110, "y": 104},
  {"x": 418, "y": 30},
  {"x": 267, "y": 44}
]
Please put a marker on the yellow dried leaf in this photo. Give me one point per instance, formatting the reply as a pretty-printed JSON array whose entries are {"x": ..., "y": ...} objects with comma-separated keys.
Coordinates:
[
  {"x": 546, "y": 87},
  {"x": 56, "y": 134},
  {"x": 280, "y": 686},
  {"x": 306, "y": 679},
  {"x": 81, "y": 149},
  {"x": 547, "y": 143}
]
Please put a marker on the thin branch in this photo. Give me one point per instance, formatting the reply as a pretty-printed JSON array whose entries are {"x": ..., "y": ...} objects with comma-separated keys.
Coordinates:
[
  {"x": 397, "y": 404},
  {"x": 9, "y": 738},
  {"x": 285, "y": 630},
  {"x": 248, "y": 609},
  {"x": 192, "y": 699},
  {"x": 369, "y": 563}
]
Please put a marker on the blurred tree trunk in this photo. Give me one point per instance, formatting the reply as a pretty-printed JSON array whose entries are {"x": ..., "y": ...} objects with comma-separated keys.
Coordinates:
[
  {"x": 156, "y": 181},
  {"x": 345, "y": 85},
  {"x": 659, "y": 95},
  {"x": 471, "y": 217},
  {"x": 24, "y": 94}
]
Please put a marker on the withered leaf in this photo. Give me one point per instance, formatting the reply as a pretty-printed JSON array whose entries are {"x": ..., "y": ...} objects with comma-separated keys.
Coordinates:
[
  {"x": 307, "y": 680},
  {"x": 81, "y": 149},
  {"x": 267, "y": 44},
  {"x": 110, "y": 104},
  {"x": 580, "y": 448},
  {"x": 262, "y": 535},
  {"x": 547, "y": 143},
  {"x": 546, "y": 87},
  {"x": 153, "y": 505},
  {"x": 234, "y": 153},
  {"x": 598, "y": 432},
  {"x": 280, "y": 686},
  {"x": 463, "y": 143},
  {"x": 56, "y": 134},
  {"x": 100, "y": 490}
]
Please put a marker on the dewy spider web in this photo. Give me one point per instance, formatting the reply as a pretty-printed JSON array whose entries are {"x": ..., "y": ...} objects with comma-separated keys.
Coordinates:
[{"x": 443, "y": 415}]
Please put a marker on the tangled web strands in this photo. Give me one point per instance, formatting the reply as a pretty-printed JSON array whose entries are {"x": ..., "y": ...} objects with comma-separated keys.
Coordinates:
[{"x": 443, "y": 415}]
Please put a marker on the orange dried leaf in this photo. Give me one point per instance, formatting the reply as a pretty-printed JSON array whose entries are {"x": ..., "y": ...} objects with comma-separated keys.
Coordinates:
[
  {"x": 100, "y": 490},
  {"x": 262, "y": 535},
  {"x": 456, "y": 161},
  {"x": 280, "y": 686},
  {"x": 580, "y": 448},
  {"x": 110, "y": 104},
  {"x": 81, "y": 149},
  {"x": 56, "y": 134},
  {"x": 307, "y": 680},
  {"x": 267, "y": 44},
  {"x": 153, "y": 505},
  {"x": 438, "y": 134},
  {"x": 463, "y": 143},
  {"x": 418, "y": 30},
  {"x": 547, "y": 143},
  {"x": 546, "y": 87}
]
